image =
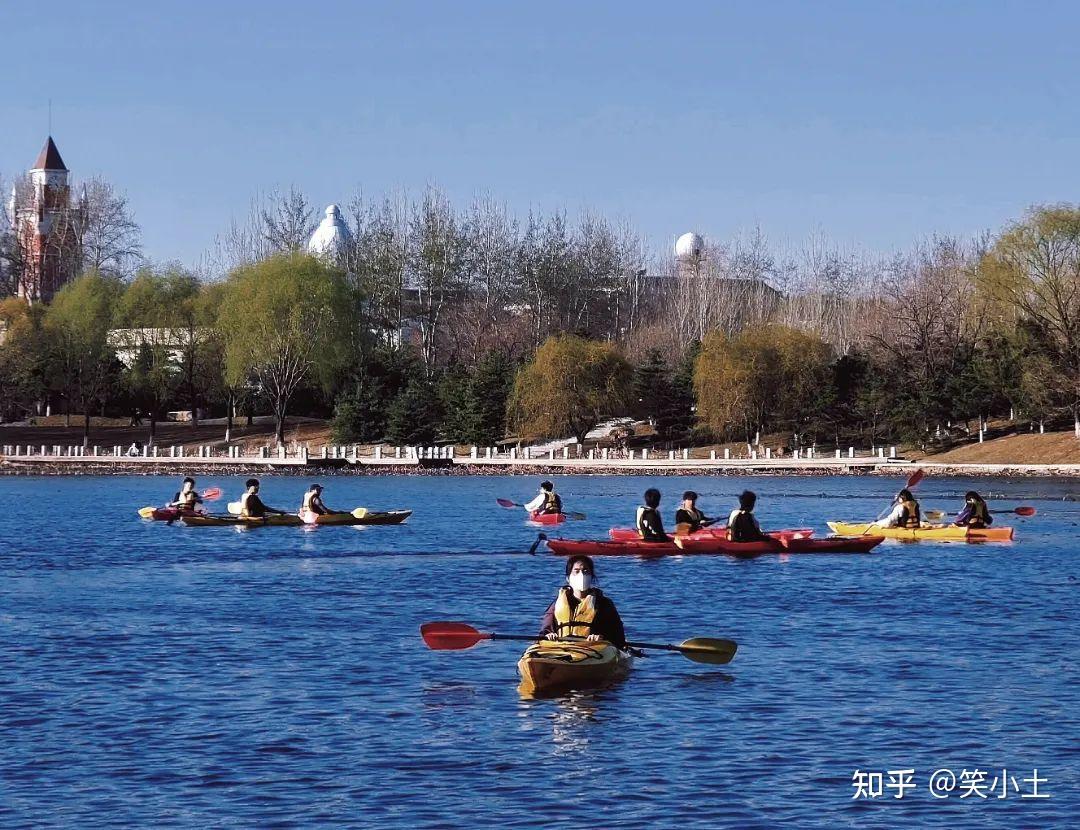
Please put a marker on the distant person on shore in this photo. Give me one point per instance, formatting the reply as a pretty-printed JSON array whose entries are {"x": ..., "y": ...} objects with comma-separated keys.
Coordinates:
[
  {"x": 134, "y": 450},
  {"x": 251, "y": 506},
  {"x": 313, "y": 502},
  {"x": 975, "y": 513},
  {"x": 905, "y": 512},
  {"x": 547, "y": 500},
  {"x": 582, "y": 610},
  {"x": 650, "y": 526},
  {"x": 742, "y": 524},
  {"x": 186, "y": 498},
  {"x": 688, "y": 519}
]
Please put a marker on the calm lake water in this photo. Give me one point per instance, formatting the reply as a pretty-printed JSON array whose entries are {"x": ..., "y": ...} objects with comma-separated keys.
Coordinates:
[{"x": 157, "y": 676}]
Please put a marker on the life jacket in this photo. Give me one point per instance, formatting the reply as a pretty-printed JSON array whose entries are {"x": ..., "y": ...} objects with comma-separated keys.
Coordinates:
[
  {"x": 688, "y": 520},
  {"x": 187, "y": 501},
  {"x": 642, "y": 513},
  {"x": 552, "y": 503},
  {"x": 910, "y": 517},
  {"x": 576, "y": 622},
  {"x": 309, "y": 498},
  {"x": 980, "y": 515},
  {"x": 743, "y": 528},
  {"x": 245, "y": 500}
]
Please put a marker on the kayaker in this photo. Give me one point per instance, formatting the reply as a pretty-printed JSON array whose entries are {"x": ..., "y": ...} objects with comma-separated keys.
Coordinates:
[
  {"x": 582, "y": 610},
  {"x": 742, "y": 523},
  {"x": 688, "y": 519},
  {"x": 650, "y": 526},
  {"x": 905, "y": 512},
  {"x": 546, "y": 501},
  {"x": 251, "y": 506},
  {"x": 313, "y": 502},
  {"x": 186, "y": 498},
  {"x": 975, "y": 513}
]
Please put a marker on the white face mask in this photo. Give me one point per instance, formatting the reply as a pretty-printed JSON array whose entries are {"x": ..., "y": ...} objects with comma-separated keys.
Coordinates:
[{"x": 580, "y": 582}]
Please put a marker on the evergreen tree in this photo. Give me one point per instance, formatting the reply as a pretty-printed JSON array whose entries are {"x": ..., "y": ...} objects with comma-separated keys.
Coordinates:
[
  {"x": 492, "y": 382},
  {"x": 414, "y": 415}
]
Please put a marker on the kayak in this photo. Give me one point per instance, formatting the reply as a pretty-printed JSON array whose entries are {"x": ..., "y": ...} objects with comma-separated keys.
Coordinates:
[
  {"x": 547, "y": 518},
  {"x": 687, "y": 545},
  {"x": 372, "y": 517},
  {"x": 160, "y": 514},
  {"x": 550, "y": 666},
  {"x": 628, "y": 534},
  {"x": 241, "y": 521},
  {"x": 940, "y": 533},
  {"x": 831, "y": 544}
]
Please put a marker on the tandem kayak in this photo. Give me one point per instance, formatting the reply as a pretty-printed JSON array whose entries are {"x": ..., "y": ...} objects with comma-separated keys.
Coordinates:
[
  {"x": 939, "y": 533},
  {"x": 552, "y": 666},
  {"x": 370, "y": 517},
  {"x": 628, "y": 534},
  {"x": 242, "y": 521},
  {"x": 701, "y": 545},
  {"x": 160, "y": 514},
  {"x": 547, "y": 518}
]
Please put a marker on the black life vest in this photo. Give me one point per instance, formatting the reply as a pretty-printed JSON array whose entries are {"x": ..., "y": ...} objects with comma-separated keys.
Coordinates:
[
  {"x": 552, "y": 503},
  {"x": 743, "y": 528},
  {"x": 911, "y": 516}
]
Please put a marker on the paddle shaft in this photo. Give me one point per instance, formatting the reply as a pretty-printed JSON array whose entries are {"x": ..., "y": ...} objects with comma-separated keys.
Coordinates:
[{"x": 525, "y": 638}]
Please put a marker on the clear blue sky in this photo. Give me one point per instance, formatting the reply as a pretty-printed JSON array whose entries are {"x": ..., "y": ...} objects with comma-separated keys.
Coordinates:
[{"x": 875, "y": 123}]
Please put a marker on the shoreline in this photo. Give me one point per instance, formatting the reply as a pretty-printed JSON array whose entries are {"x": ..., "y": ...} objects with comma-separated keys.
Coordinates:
[{"x": 204, "y": 467}]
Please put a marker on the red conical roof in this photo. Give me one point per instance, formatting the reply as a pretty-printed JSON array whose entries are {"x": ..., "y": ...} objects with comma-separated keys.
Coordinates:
[{"x": 49, "y": 157}]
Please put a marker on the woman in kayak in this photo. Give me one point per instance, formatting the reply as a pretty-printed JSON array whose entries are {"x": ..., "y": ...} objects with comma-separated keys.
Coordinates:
[
  {"x": 905, "y": 512},
  {"x": 546, "y": 501},
  {"x": 688, "y": 519},
  {"x": 251, "y": 506},
  {"x": 650, "y": 526},
  {"x": 742, "y": 524},
  {"x": 975, "y": 513},
  {"x": 582, "y": 610},
  {"x": 186, "y": 498},
  {"x": 313, "y": 502}
]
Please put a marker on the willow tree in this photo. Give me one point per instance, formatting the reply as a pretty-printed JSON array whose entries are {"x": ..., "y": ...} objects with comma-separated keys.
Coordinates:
[
  {"x": 1033, "y": 270},
  {"x": 570, "y": 386},
  {"x": 284, "y": 321}
]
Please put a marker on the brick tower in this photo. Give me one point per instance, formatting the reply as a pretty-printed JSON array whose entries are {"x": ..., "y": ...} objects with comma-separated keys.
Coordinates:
[{"x": 43, "y": 225}]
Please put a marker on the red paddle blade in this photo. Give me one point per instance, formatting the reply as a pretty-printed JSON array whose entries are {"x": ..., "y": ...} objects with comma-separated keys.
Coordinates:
[
  {"x": 916, "y": 477},
  {"x": 212, "y": 494},
  {"x": 505, "y": 503},
  {"x": 1024, "y": 511},
  {"x": 451, "y": 636}
]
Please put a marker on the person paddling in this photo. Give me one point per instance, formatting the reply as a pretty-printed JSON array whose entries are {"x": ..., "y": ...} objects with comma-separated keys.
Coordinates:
[
  {"x": 186, "y": 498},
  {"x": 251, "y": 506},
  {"x": 547, "y": 500},
  {"x": 582, "y": 610},
  {"x": 650, "y": 526},
  {"x": 975, "y": 513},
  {"x": 905, "y": 512},
  {"x": 742, "y": 524},
  {"x": 313, "y": 502},
  {"x": 688, "y": 519}
]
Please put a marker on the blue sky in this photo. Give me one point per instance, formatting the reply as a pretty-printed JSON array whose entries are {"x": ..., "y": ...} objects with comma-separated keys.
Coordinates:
[{"x": 875, "y": 123}]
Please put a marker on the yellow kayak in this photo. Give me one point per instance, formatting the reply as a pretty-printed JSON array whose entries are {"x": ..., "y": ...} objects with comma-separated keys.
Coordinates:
[
  {"x": 551, "y": 666},
  {"x": 940, "y": 533},
  {"x": 241, "y": 521}
]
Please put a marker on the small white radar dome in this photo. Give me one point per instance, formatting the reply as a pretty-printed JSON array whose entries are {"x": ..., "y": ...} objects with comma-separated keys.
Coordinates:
[{"x": 689, "y": 246}]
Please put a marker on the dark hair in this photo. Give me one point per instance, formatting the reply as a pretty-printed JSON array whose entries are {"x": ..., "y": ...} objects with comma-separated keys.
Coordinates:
[
  {"x": 583, "y": 559},
  {"x": 690, "y": 494},
  {"x": 188, "y": 480},
  {"x": 546, "y": 485},
  {"x": 652, "y": 497},
  {"x": 905, "y": 495},
  {"x": 971, "y": 494},
  {"x": 747, "y": 500},
  {"x": 315, "y": 487},
  {"x": 251, "y": 482}
]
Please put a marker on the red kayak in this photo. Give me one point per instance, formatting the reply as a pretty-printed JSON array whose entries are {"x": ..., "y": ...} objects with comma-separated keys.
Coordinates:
[
  {"x": 638, "y": 547},
  {"x": 628, "y": 534},
  {"x": 547, "y": 518}
]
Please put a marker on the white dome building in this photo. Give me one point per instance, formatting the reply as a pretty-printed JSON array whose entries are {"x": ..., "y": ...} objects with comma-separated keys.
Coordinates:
[
  {"x": 689, "y": 247},
  {"x": 331, "y": 237}
]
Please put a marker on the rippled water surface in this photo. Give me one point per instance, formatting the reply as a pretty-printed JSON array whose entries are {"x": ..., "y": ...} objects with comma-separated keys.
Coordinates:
[{"x": 155, "y": 676}]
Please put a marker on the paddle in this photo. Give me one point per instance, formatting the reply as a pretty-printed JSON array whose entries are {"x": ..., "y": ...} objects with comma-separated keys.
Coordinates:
[
  {"x": 212, "y": 494},
  {"x": 455, "y": 636},
  {"x": 540, "y": 537},
  {"x": 579, "y": 517},
  {"x": 913, "y": 479},
  {"x": 936, "y": 515}
]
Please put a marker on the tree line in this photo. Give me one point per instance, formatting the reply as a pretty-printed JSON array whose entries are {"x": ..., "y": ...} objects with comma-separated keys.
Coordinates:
[{"x": 437, "y": 324}]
